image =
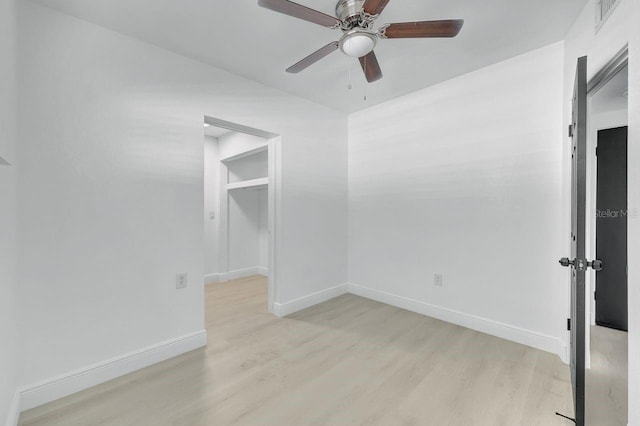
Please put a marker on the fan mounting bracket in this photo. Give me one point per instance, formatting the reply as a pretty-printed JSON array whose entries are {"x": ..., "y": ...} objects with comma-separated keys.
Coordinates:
[
  {"x": 382, "y": 31},
  {"x": 366, "y": 20}
]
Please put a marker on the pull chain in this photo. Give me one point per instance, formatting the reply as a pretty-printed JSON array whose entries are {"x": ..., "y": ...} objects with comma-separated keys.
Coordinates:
[{"x": 366, "y": 83}]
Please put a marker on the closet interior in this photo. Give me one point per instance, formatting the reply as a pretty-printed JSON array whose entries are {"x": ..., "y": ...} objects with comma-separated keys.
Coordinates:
[{"x": 236, "y": 204}]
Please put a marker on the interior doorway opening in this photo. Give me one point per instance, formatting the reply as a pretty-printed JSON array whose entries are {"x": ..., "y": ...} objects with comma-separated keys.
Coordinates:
[
  {"x": 607, "y": 304},
  {"x": 239, "y": 204}
]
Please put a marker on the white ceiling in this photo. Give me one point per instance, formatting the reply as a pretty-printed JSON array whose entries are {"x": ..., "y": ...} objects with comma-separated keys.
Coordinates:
[{"x": 243, "y": 38}]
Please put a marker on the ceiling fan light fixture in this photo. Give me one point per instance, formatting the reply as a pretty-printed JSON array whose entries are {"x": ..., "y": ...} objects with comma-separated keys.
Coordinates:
[
  {"x": 356, "y": 19},
  {"x": 358, "y": 43}
]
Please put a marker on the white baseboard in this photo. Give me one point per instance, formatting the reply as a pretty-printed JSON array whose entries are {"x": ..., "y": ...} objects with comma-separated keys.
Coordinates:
[
  {"x": 234, "y": 275},
  {"x": 14, "y": 410},
  {"x": 505, "y": 331},
  {"x": 288, "y": 308},
  {"x": 75, "y": 381},
  {"x": 239, "y": 273},
  {"x": 211, "y": 278}
]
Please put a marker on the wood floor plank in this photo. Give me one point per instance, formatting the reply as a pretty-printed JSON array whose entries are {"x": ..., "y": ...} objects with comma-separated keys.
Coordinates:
[
  {"x": 348, "y": 361},
  {"x": 606, "y": 381}
]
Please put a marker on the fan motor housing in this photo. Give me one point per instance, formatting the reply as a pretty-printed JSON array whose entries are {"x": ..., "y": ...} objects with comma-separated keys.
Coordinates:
[{"x": 349, "y": 10}]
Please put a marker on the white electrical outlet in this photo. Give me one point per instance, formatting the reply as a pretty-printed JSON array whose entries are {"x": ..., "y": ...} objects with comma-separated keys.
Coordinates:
[
  {"x": 181, "y": 281},
  {"x": 437, "y": 280}
]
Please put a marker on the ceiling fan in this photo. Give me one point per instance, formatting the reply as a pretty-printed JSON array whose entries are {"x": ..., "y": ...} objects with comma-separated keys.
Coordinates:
[{"x": 356, "y": 19}]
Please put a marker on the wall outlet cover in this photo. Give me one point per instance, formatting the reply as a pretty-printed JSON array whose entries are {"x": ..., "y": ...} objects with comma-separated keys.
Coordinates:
[
  {"x": 437, "y": 280},
  {"x": 181, "y": 281}
]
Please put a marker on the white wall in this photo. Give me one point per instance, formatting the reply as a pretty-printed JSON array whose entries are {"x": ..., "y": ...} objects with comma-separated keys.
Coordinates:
[
  {"x": 111, "y": 190},
  {"x": 464, "y": 178},
  {"x": 620, "y": 29},
  {"x": 9, "y": 345},
  {"x": 211, "y": 205}
]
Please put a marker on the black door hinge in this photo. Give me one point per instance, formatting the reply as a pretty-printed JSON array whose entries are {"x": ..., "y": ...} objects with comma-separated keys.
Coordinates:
[
  {"x": 570, "y": 130},
  {"x": 568, "y": 324}
]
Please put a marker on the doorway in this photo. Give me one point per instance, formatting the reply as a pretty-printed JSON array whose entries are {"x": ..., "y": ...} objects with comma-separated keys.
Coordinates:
[
  {"x": 610, "y": 293},
  {"x": 240, "y": 181},
  {"x": 607, "y": 343}
]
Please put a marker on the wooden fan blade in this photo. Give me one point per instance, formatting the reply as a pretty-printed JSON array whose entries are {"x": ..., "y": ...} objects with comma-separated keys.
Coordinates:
[
  {"x": 313, "y": 58},
  {"x": 371, "y": 67},
  {"x": 374, "y": 7},
  {"x": 448, "y": 28},
  {"x": 299, "y": 11}
]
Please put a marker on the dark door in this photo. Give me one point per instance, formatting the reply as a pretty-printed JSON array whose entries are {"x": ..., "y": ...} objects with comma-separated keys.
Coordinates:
[
  {"x": 611, "y": 229},
  {"x": 577, "y": 262}
]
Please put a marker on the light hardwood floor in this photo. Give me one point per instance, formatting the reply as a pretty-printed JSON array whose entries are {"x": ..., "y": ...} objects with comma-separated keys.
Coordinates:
[
  {"x": 349, "y": 361},
  {"x": 606, "y": 381}
]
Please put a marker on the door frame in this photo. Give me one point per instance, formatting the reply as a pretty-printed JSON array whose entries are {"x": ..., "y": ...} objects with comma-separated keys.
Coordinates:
[
  {"x": 274, "y": 189},
  {"x": 617, "y": 63}
]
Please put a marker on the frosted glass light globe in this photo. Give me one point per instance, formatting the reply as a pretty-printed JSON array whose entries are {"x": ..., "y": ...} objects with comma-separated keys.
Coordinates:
[{"x": 357, "y": 44}]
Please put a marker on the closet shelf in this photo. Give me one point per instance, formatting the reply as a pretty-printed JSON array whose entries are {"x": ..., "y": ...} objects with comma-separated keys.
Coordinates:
[
  {"x": 249, "y": 184},
  {"x": 254, "y": 151}
]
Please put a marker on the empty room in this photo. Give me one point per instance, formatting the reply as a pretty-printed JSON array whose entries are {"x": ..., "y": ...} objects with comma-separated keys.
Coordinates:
[{"x": 329, "y": 212}]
